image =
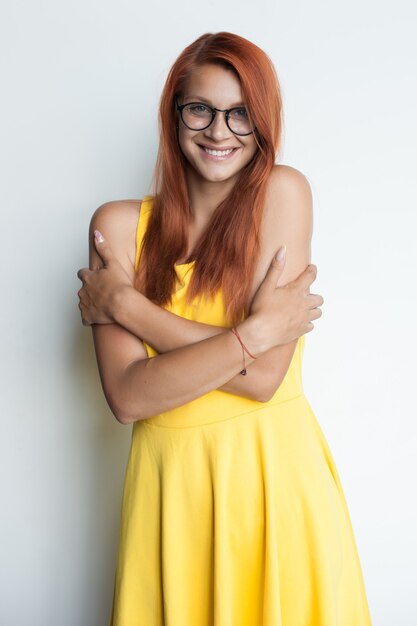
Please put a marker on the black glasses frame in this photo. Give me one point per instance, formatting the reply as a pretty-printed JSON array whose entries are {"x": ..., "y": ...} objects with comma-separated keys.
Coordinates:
[{"x": 213, "y": 110}]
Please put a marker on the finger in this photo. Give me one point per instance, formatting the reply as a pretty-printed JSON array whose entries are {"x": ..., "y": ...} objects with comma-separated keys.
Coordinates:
[
  {"x": 276, "y": 266},
  {"x": 83, "y": 272},
  {"x": 315, "y": 300},
  {"x": 318, "y": 312},
  {"x": 103, "y": 247},
  {"x": 318, "y": 296},
  {"x": 84, "y": 321},
  {"x": 83, "y": 298},
  {"x": 309, "y": 275},
  {"x": 315, "y": 314},
  {"x": 82, "y": 314}
]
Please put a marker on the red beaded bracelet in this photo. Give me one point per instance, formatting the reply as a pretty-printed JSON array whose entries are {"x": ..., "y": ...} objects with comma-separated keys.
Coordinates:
[{"x": 244, "y": 349}]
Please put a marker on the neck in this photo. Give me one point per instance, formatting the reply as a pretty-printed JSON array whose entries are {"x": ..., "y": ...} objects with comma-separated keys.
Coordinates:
[{"x": 205, "y": 196}]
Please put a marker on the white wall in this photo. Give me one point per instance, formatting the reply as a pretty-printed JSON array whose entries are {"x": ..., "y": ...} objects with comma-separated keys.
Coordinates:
[{"x": 81, "y": 82}]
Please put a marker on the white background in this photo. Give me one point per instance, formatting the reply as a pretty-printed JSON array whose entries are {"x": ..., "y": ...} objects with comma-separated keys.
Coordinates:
[{"x": 80, "y": 87}]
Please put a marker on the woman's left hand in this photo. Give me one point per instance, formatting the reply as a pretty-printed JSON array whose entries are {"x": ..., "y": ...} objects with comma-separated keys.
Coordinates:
[{"x": 101, "y": 287}]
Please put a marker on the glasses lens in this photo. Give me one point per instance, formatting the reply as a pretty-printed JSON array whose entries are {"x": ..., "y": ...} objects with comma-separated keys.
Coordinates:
[
  {"x": 240, "y": 122},
  {"x": 196, "y": 116}
]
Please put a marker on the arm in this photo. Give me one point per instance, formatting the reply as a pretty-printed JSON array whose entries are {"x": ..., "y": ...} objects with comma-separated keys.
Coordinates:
[
  {"x": 288, "y": 219},
  {"x": 166, "y": 331},
  {"x": 137, "y": 387}
]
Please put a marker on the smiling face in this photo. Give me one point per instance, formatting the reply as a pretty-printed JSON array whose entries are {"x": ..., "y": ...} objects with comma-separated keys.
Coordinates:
[{"x": 214, "y": 154}]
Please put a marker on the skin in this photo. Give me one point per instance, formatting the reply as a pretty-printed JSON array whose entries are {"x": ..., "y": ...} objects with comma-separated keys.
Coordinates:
[
  {"x": 210, "y": 181},
  {"x": 196, "y": 358}
]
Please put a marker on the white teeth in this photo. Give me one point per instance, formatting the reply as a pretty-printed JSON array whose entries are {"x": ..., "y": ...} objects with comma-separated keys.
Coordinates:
[{"x": 218, "y": 152}]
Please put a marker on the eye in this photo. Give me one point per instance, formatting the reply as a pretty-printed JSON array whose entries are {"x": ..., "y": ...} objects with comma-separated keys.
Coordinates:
[
  {"x": 198, "y": 109},
  {"x": 239, "y": 114}
]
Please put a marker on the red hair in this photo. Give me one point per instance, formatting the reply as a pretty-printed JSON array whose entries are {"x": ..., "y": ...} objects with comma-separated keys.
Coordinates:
[{"x": 225, "y": 255}]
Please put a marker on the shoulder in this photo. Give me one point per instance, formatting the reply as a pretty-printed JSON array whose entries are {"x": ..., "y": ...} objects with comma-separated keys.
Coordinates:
[
  {"x": 288, "y": 202},
  {"x": 287, "y": 219},
  {"x": 117, "y": 220},
  {"x": 287, "y": 187},
  {"x": 117, "y": 214}
]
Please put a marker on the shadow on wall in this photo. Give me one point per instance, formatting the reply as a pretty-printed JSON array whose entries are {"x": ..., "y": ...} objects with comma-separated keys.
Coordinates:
[{"x": 103, "y": 448}]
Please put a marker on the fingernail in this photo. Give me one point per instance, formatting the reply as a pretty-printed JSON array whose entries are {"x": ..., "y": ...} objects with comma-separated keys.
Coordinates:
[
  {"x": 99, "y": 237},
  {"x": 281, "y": 253}
]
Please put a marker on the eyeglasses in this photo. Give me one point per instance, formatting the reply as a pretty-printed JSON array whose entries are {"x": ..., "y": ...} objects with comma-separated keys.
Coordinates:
[{"x": 199, "y": 116}]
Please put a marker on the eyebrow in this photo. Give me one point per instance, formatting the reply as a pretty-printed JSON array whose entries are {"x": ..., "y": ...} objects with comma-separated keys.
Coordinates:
[{"x": 209, "y": 102}]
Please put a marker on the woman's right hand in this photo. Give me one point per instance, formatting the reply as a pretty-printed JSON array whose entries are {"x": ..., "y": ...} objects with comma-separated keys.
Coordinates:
[{"x": 278, "y": 315}]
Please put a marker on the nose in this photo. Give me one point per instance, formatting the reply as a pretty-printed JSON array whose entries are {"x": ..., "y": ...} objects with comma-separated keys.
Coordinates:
[{"x": 218, "y": 129}]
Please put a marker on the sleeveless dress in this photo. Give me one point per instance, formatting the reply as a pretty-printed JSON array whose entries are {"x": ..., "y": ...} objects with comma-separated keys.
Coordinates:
[{"x": 233, "y": 513}]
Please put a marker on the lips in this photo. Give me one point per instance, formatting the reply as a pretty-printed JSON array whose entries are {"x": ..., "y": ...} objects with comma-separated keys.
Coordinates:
[
  {"x": 218, "y": 154},
  {"x": 203, "y": 145}
]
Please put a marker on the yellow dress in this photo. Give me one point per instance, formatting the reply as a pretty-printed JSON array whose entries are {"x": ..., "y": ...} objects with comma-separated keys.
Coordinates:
[{"x": 233, "y": 512}]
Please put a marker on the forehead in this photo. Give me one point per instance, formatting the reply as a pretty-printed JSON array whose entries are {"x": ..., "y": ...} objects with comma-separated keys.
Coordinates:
[{"x": 215, "y": 84}]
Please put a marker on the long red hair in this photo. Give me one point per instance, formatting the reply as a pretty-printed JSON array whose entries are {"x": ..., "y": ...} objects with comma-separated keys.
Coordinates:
[{"x": 225, "y": 256}]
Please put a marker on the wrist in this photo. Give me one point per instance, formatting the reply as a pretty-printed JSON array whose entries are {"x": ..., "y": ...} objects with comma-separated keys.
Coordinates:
[
  {"x": 124, "y": 298},
  {"x": 249, "y": 332}
]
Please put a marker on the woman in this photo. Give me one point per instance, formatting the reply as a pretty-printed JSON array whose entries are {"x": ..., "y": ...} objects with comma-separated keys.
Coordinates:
[{"x": 233, "y": 512}]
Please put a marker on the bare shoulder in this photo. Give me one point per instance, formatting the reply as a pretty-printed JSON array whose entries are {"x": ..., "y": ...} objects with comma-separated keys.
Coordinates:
[
  {"x": 288, "y": 203},
  {"x": 117, "y": 221},
  {"x": 287, "y": 185},
  {"x": 287, "y": 220},
  {"x": 116, "y": 217}
]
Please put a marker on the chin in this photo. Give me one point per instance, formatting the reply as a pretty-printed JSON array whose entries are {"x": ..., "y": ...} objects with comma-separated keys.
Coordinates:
[
  {"x": 221, "y": 177},
  {"x": 216, "y": 174}
]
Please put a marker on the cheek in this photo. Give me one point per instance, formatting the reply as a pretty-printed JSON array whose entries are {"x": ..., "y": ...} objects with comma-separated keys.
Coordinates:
[
  {"x": 180, "y": 140},
  {"x": 252, "y": 149},
  {"x": 183, "y": 142}
]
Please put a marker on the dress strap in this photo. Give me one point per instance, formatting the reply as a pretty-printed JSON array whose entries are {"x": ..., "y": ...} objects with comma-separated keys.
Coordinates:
[{"x": 144, "y": 214}]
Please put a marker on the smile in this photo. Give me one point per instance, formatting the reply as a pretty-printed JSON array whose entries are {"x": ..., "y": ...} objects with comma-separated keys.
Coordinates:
[{"x": 217, "y": 155}]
